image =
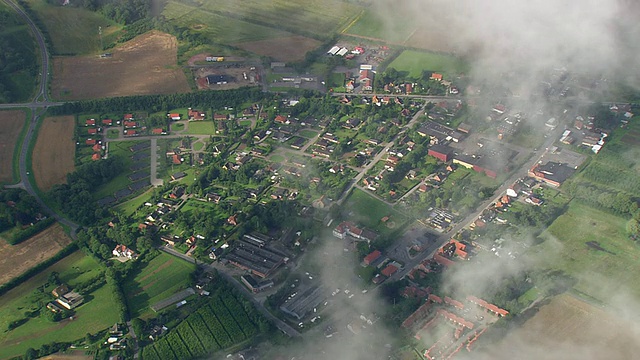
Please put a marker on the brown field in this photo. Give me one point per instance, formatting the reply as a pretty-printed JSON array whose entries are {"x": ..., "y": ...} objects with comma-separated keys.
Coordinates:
[
  {"x": 290, "y": 48},
  {"x": 11, "y": 123},
  {"x": 54, "y": 152},
  {"x": 568, "y": 328},
  {"x": 142, "y": 66},
  {"x": 16, "y": 259}
]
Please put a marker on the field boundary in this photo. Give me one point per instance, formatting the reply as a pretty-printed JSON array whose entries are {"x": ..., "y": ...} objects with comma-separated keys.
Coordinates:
[{"x": 17, "y": 150}]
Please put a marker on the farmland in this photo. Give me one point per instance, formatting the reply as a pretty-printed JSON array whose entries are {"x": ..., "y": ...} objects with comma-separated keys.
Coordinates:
[
  {"x": 11, "y": 124},
  {"x": 16, "y": 259},
  {"x": 371, "y": 24},
  {"x": 74, "y": 30},
  {"x": 290, "y": 48},
  {"x": 96, "y": 314},
  {"x": 54, "y": 151},
  {"x": 160, "y": 278},
  {"x": 414, "y": 62},
  {"x": 141, "y": 66},
  {"x": 568, "y": 328},
  {"x": 221, "y": 323},
  {"x": 593, "y": 269}
]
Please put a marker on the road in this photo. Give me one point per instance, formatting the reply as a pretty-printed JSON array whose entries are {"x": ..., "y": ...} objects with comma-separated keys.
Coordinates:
[
  {"x": 38, "y": 107},
  {"x": 444, "y": 237},
  {"x": 279, "y": 323},
  {"x": 154, "y": 163}
]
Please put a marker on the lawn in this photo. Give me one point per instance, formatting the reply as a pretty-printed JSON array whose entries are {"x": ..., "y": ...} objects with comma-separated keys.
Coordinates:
[
  {"x": 129, "y": 207},
  {"x": 74, "y": 30},
  {"x": 414, "y": 62},
  {"x": 307, "y": 133},
  {"x": 598, "y": 273},
  {"x": 162, "y": 277},
  {"x": 198, "y": 146},
  {"x": 367, "y": 210},
  {"x": 113, "y": 133},
  {"x": 201, "y": 128},
  {"x": 95, "y": 315},
  {"x": 119, "y": 148}
]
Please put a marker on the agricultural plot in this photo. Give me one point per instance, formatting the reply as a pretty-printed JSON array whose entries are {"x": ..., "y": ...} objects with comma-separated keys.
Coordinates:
[
  {"x": 218, "y": 325},
  {"x": 74, "y": 30},
  {"x": 381, "y": 25},
  {"x": 611, "y": 254},
  {"x": 11, "y": 125},
  {"x": 96, "y": 314},
  {"x": 160, "y": 278},
  {"x": 16, "y": 259},
  {"x": 54, "y": 151},
  {"x": 567, "y": 328},
  {"x": 415, "y": 62},
  {"x": 288, "y": 49},
  {"x": 142, "y": 66}
]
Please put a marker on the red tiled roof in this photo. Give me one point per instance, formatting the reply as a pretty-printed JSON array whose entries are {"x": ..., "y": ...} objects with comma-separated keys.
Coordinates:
[
  {"x": 494, "y": 309},
  {"x": 436, "y": 76},
  {"x": 91, "y": 141},
  {"x": 92, "y": 131},
  {"x": 157, "y": 131},
  {"x": 107, "y": 121},
  {"x": 95, "y": 157},
  {"x": 97, "y": 148},
  {"x": 90, "y": 122},
  {"x": 372, "y": 257},
  {"x": 128, "y": 116},
  {"x": 176, "y": 159},
  {"x": 389, "y": 270}
]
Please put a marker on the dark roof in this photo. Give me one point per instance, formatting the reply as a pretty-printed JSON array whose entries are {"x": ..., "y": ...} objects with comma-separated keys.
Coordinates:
[
  {"x": 442, "y": 149},
  {"x": 556, "y": 171}
]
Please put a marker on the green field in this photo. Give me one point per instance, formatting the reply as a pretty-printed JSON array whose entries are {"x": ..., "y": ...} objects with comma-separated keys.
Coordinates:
[
  {"x": 117, "y": 148},
  {"x": 18, "y": 71},
  {"x": 393, "y": 28},
  {"x": 96, "y": 314},
  {"x": 318, "y": 18},
  {"x": 160, "y": 278},
  {"x": 368, "y": 211},
  {"x": 201, "y": 128},
  {"x": 598, "y": 273},
  {"x": 74, "y": 30},
  {"x": 414, "y": 62}
]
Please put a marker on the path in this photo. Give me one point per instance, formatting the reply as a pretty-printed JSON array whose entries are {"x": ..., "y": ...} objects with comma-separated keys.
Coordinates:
[{"x": 154, "y": 163}]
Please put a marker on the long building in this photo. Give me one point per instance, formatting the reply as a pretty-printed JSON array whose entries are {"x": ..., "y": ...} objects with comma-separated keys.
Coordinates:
[{"x": 261, "y": 261}]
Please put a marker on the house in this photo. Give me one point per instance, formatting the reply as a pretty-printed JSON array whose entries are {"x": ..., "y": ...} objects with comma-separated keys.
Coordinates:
[
  {"x": 96, "y": 157},
  {"x": 130, "y": 124},
  {"x": 97, "y": 148},
  {"x": 352, "y": 123},
  {"x": 176, "y": 159},
  {"x": 281, "y": 119},
  {"x": 196, "y": 115},
  {"x": 60, "y": 290},
  {"x": 487, "y": 306},
  {"x": 178, "y": 175},
  {"x": 92, "y": 131},
  {"x": 123, "y": 251},
  {"x": 70, "y": 300},
  {"x": 128, "y": 117},
  {"x": 107, "y": 122},
  {"x": 372, "y": 257},
  {"x": 91, "y": 142},
  {"x": 217, "y": 116},
  {"x": 157, "y": 131},
  {"x": 174, "y": 116},
  {"x": 533, "y": 201},
  {"x": 435, "y": 76},
  {"x": 214, "y": 197},
  {"x": 232, "y": 220},
  {"x": 90, "y": 122},
  {"x": 441, "y": 152},
  {"x": 389, "y": 270},
  {"x": 177, "y": 192}
]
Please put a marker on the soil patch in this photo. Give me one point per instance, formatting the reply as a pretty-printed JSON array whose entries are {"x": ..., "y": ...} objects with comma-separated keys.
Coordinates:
[
  {"x": 290, "y": 48},
  {"x": 16, "y": 259},
  {"x": 11, "y": 124},
  {"x": 144, "y": 65},
  {"x": 53, "y": 154}
]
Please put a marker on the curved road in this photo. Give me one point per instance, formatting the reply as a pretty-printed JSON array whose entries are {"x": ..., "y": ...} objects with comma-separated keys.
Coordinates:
[{"x": 38, "y": 107}]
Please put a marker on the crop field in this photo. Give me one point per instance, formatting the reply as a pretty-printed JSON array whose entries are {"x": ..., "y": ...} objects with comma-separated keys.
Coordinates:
[
  {"x": 289, "y": 48},
  {"x": 568, "y": 328},
  {"x": 96, "y": 314},
  {"x": 160, "y": 278},
  {"x": 414, "y": 62},
  {"x": 11, "y": 124},
  {"x": 218, "y": 325},
  {"x": 16, "y": 259},
  {"x": 54, "y": 152},
  {"x": 371, "y": 24},
  {"x": 594, "y": 268},
  {"x": 142, "y": 66},
  {"x": 74, "y": 30}
]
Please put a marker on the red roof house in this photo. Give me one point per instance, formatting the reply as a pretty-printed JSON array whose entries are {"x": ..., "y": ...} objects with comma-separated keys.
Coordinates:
[
  {"x": 128, "y": 117},
  {"x": 174, "y": 116},
  {"x": 90, "y": 122},
  {"x": 196, "y": 115},
  {"x": 436, "y": 77},
  {"x": 97, "y": 148},
  {"x": 176, "y": 159},
  {"x": 92, "y": 131},
  {"x": 95, "y": 157},
  {"x": 91, "y": 142},
  {"x": 281, "y": 119},
  {"x": 107, "y": 122},
  {"x": 220, "y": 117},
  {"x": 130, "y": 124},
  {"x": 157, "y": 131},
  {"x": 389, "y": 270},
  {"x": 375, "y": 255}
]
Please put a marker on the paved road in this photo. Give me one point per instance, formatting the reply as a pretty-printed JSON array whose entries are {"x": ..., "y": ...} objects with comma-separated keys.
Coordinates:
[
  {"x": 444, "y": 237},
  {"x": 279, "y": 323}
]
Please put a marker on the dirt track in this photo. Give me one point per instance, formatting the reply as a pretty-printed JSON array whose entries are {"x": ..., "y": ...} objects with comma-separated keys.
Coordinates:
[
  {"x": 142, "y": 66},
  {"x": 16, "y": 259},
  {"x": 11, "y": 123},
  {"x": 53, "y": 154}
]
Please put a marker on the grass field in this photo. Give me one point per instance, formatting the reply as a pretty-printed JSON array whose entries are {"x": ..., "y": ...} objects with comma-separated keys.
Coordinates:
[
  {"x": 367, "y": 210},
  {"x": 414, "y": 62},
  {"x": 201, "y": 128},
  {"x": 129, "y": 207},
  {"x": 598, "y": 273},
  {"x": 568, "y": 328},
  {"x": 96, "y": 314},
  {"x": 74, "y": 30},
  {"x": 54, "y": 152},
  {"x": 160, "y": 278},
  {"x": 288, "y": 48},
  {"x": 16, "y": 259},
  {"x": 11, "y": 125},
  {"x": 144, "y": 65},
  {"x": 117, "y": 148},
  {"x": 390, "y": 27}
]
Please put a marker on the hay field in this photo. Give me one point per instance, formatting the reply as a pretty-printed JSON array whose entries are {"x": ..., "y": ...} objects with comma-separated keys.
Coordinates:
[
  {"x": 16, "y": 259},
  {"x": 11, "y": 124},
  {"x": 144, "y": 65},
  {"x": 54, "y": 152},
  {"x": 288, "y": 49}
]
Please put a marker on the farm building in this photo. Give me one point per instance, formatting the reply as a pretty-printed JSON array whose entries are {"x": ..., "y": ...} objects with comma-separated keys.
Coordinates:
[
  {"x": 261, "y": 261},
  {"x": 218, "y": 79},
  {"x": 552, "y": 173},
  {"x": 441, "y": 152},
  {"x": 334, "y": 50},
  {"x": 70, "y": 300},
  {"x": 254, "y": 284}
]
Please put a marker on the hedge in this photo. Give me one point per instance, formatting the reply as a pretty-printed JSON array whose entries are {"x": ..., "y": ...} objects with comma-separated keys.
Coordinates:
[{"x": 32, "y": 230}]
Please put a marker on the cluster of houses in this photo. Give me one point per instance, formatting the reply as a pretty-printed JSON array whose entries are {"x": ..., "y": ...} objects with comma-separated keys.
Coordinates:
[{"x": 121, "y": 251}]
